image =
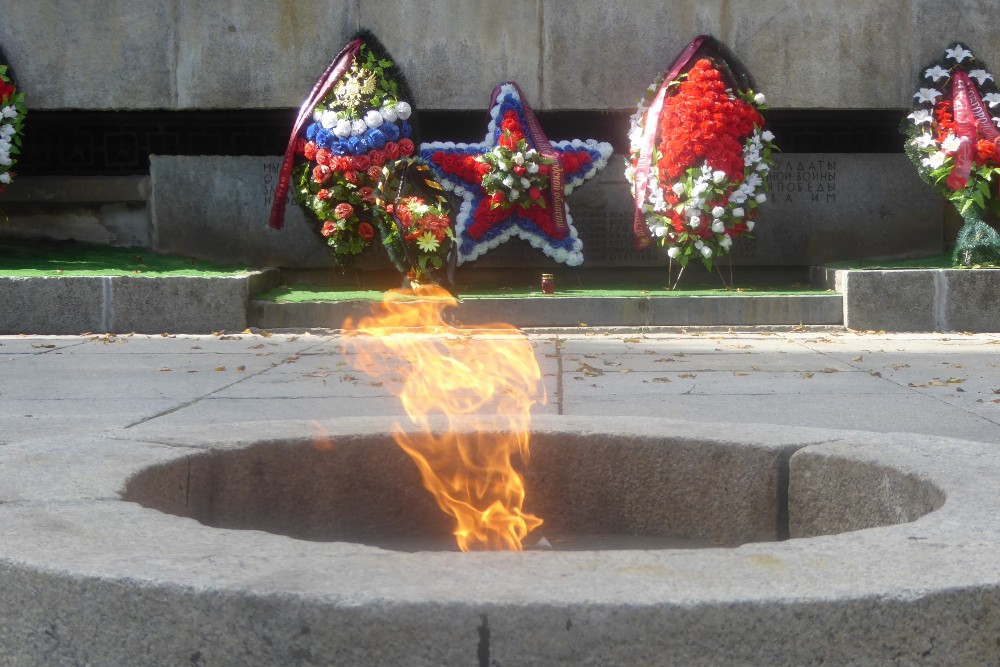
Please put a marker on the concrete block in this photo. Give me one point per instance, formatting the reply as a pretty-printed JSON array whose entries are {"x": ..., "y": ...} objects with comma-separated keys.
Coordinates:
[
  {"x": 51, "y": 305},
  {"x": 897, "y": 300},
  {"x": 454, "y": 52},
  {"x": 244, "y": 54},
  {"x": 118, "y": 54},
  {"x": 216, "y": 207},
  {"x": 603, "y": 55},
  {"x": 969, "y": 300}
]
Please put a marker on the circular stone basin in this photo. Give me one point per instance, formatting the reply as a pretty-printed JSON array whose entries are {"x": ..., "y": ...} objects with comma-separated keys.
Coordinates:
[{"x": 594, "y": 491}]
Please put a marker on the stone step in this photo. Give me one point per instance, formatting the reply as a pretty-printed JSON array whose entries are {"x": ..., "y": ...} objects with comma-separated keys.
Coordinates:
[{"x": 551, "y": 311}]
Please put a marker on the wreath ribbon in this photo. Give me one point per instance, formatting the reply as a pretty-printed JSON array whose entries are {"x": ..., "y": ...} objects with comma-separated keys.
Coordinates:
[
  {"x": 542, "y": 145},
  {"x": 333, "y": 73},
  {"x": 650, "y": 124},
  {"x": 971, "y": 120}
]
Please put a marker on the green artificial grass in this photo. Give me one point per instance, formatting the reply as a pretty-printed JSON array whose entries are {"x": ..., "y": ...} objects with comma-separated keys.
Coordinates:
[
  {"x": 312, "y": 293},
  {"x": 30, "y": 260}
]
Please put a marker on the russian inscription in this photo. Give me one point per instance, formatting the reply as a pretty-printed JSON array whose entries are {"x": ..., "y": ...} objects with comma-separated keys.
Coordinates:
[{"x": 803, "y": 181}]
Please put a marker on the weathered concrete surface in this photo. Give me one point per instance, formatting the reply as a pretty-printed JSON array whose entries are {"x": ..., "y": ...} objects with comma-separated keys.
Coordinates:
[
  {"x": 73, "y": 305},
  {"x": 184, "y": 54},
  {"x": 921, "y": 299},
  {"x": 166, "y": 590}
]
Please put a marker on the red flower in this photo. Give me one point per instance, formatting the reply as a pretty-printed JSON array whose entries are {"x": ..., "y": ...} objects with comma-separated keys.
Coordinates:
[
  {"x": 377, "y": 157},
  {"x": 406, "y": 146},
  {"x": 321, "y": 173},
  {"x": 360, "y": 163},
  {"x": 367, "y": 194},
  {"x": 309, "y": 150},
  {"x": 323, "y": 194},
  {"x": 519, "y": 170},
  {"x": 329, "y": 228},
  {"x": 534, "y": 194},
  {"x": 374, "y": 173},
  {"x": 392, "y": 150},
  {"x": 351, "y": 177},
  {"x": 366, "y": 231},
  {"x": 343, "y": 211},
  {"x": 323, "y": 156},
  {"x": 6, "y": 90}
]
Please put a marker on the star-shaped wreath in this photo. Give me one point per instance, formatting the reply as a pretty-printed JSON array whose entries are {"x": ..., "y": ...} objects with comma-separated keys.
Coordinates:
[{"x": 515, "y": 181}]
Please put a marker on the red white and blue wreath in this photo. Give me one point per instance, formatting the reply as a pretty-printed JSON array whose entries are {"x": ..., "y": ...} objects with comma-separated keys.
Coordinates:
[{"x": 514, "y": 183}]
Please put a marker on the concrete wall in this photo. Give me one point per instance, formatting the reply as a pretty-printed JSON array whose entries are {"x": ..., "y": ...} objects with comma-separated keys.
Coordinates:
[{"x": 566, "y": 54}]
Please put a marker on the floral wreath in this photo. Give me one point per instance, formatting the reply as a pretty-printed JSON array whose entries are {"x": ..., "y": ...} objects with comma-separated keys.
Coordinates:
[
  {"x": 515, "y": 181},
  {"x": 699, "y": 156},
  {"x": 12, "y": 113},
  {"x": 414, "y": 218},
  {"x": 953, "y": 140}
]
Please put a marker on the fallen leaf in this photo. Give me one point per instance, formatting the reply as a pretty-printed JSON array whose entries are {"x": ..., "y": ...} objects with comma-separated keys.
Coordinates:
[
  {"x": 687, "y": 375},
  {"x": 633, "y": 339},
  {"x": 806, "y": 376},
  {"x": 829, "y": 370},
  {"x": 937, "y": 382},
  {"x": 219, "y": 368},
  {"x": 247, "y": 331},
  {"x": 165, "y": 369},
  {"x": 229, "y": 337},
  {"x": 664, "y": 379},
  {"x": 858, "y": 358},
  {"x": 590, "y": 371},
  {"x": 875, "y": 374},
  {"x": 348, "y": 378},
  {"x": 43, "y": 345},
  {"x": 240, "y": 369},
  {"x": 265, "y": 334},
  {"x": 590, "y": 356},
  {"x": 316, "y": 374},
  {"x": 625, "y": 370},
  {"x": 258, "y": 346},
  {"x": 612, "y": 363},
  {"x": 739, "y": 373}
]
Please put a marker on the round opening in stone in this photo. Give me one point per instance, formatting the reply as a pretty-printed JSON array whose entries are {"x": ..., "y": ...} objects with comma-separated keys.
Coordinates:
[{"x": 592, "y": 490}]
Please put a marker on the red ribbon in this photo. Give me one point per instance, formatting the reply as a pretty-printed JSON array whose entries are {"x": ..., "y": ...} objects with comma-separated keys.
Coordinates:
[
  {"x": 962, "y": 91},
  {"x": 651, "y": 121},
  {"x": 332, "y": 74},
  {"x": 542, "y": 145}
]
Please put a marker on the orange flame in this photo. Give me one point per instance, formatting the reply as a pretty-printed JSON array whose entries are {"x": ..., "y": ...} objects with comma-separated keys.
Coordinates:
[{"x": 465, "y": 378}]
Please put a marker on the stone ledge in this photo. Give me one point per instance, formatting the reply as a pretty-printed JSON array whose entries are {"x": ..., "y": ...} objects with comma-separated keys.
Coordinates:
[
  {"x": 915, "y": 300},
  {"x": 114, "y": 583},
  {"x": 121, "y": 304}
]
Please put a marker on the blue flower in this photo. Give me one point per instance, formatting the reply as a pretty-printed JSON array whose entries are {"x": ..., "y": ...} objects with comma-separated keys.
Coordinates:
[
  {"x": 391, "y": 131},
  {"x": 405, "y": 128},
  {"x": 338, "y": 148},
  {"x": 312, "y": 130},
  {"x": 375, "y": 137},
  {"x": 354, "y": 145},
  {"x": 324, "y": 138}
]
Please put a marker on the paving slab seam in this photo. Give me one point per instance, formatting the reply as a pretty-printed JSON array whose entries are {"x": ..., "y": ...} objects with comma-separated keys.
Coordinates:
[{"x": 198, "y": 399}]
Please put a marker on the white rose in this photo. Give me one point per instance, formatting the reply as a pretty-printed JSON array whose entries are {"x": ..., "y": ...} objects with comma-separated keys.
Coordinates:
[
  {"x": 737, "y": 197},
  {"x": 706, "y": 251},
  {"x": 7, "y": 130},
  {"x": 5, "y": 178},
  {"x": 343, "y": 128},
  {"x": 660, "y": 231},
  {"x": 358, "y": 127},
  {"x": 718, "y": 212},
  {"x": 514, "y": 194},
  {"x": 718, "y": 176},
  {"x": 759, "y": 99},
  {"x": 5, "y": 145},
  {"x": 5, "y": 160},
  {"x": 750, "y": 225},
  {"x": 10, "y": 111},
  {"x": 767, "y": 135},
  {"x": 388, "y": 113},
  {"x": 518, "y": 158},
  {"x": 504, "y": 166},
  {"x": 328, "y": 119},
  {"x": 761, "y": 198},
  {"x": 678, "y": 189},
  {"x": 738, "y": 213},
  {"x": 373, "y": 119},
  {"x": 699, "y": 244},
  {"x": 532, "y": 168},
  {"x": 525, "y": 183},
  {"x": 718, "y": 226},
  {"x": 695, "y": 222},
  {"x": 403, "y": 110},
  {"x": 673, "y": 252},
  {"x": 509, "y": 181},
  {"x": 317, "y": 115},
  {"x": 762, "y": 166},
  {"x": 726, "y": 241}
]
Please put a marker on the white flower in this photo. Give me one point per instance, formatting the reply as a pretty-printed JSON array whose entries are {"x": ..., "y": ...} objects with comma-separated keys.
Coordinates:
[
  {"x": 678, "y": 189},
  {"x": 753, "y": 181},
  {"x": 525, "y": 183},
  {"x": 718, "y": 176},
  {"x": 738, "y": 213},
  {"x": 726, "y": 241},
  {"x": 992, "y": 99},
  {"x": 388, "y": 113},
  {"x": 514, "y": 194},
  {"x": 718, "y": 212},
  {"x": 751, "y": 158},
  {"x": 509, "y": 181},
  {"x": 935, "y": 73},
  {"x": 343, "y": 128},
  {"x": 518, "y": 158},
  {"x": 921, "y": 116},
  {"x": 403, "y": 110},
  {"x": 934, "y": 160},
  {"x": 699, "y": 244},
  {"x": 980, "y": 75},
  {"x": 5, "y": 178},
  {"x": 750, "y": 225},
  {"x": 660, "y": 231},
  {"x": 5, "y": 160},
  {"x": 373, "y": 119},
  {"x": 924, "y": 141},
  {"x": 699, "y": 188},
  {"x": 706, "y": 252},
  {"x": 358, "y": 127},
  {"x": 718, "y": 226},
  {"x": 7, "y": 130},
  {"x": 737, "y": 197},
  {"x": 759, "y": 99},
  {"x": 317, "y": 115},
  {"x": 959, "y": 53},
  {"x": 673, "y": 252},
  {"x": 329, "y": 119},
  {"x": 767, "y": 135},
  {"x": 761, "y": 198},
  {"x": 532, "y": 168},
  {"x": 763, "y": 166},
  {"x": 10, "y": 111},
  {"x": 927, "y": 95},
  {"x": 4, "y": 146},
  {"x": 695, "y": 222},
  {"x": 951, "y": 143}
]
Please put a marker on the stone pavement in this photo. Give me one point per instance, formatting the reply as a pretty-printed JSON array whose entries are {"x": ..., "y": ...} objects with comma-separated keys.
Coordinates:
[{"x": 940, "y": 384}]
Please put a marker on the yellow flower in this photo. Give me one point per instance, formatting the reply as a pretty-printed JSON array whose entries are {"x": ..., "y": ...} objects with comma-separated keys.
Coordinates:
[{"x": 427, "y": 243}]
